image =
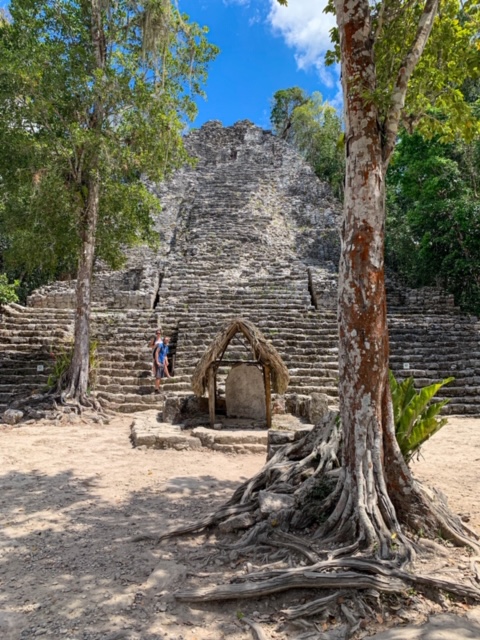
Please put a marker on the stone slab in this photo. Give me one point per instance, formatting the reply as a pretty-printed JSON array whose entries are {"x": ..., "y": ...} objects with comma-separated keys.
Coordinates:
[
  {"x": 245, "y": 393},
  {"x": 147, "y": 430},
  {"x": 225, "y": 439},
  {"x": 150, "y": 431}
]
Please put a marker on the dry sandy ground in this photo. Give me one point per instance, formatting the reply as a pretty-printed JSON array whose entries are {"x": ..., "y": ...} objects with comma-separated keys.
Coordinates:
[{"x": 74, "y": 497}]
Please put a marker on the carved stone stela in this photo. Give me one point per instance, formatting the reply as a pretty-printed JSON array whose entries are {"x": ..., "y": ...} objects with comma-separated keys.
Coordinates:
[{"x": 245, "y": 393}]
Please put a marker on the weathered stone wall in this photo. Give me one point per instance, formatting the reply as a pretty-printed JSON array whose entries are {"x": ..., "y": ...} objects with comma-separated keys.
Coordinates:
[{"x": 249, "y": 195}]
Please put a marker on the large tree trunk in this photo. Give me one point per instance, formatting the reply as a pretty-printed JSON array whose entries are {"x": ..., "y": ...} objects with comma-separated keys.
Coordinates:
[
  {"x": 365, "y": 507},
  {"x": 80, "y": 366}
]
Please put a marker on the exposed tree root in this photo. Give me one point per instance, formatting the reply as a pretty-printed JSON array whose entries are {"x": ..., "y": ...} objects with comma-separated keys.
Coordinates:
[
  {"x": 57, "y": 406},
  {"x": 80, "y": 403},
  {"x": 342, "y": 548},
  {"x": 313, "y": 607},
  {"x": 209, "y": 521},
  {"x": 256, "y": 629},
  {"x": 290, "y": 579}
]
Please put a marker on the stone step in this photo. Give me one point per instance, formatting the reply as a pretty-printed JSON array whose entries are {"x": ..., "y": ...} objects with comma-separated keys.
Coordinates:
[
  {"x": 331, "y": 391},
  {"x": 146, "y": 431},
  {"x": 143, "y": 387},
  {"x": 460, "y": 408},
  {"x": 128, "y": 398}
]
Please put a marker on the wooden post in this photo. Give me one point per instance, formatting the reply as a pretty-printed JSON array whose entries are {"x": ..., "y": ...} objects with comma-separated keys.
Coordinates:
[
  {"x": 268, "y": 395},
  {"x": 211, "y": 394}
]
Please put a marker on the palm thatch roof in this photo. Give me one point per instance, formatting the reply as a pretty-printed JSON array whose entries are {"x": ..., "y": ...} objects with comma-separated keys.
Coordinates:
[{"x": 263, "y": 351}]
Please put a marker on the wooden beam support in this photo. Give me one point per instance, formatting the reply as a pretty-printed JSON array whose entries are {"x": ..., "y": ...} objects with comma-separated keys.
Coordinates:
[
  {"x": 211, "y": 394},
  {"x": 268, "y": 395}
]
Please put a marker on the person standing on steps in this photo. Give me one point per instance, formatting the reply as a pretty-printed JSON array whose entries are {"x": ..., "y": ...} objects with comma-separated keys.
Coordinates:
[
  {"x": 161, "y": 360},
  {"x": 154, "y": 343}
]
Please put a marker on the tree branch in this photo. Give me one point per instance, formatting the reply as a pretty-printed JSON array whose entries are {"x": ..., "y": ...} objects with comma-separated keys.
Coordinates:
[{"x": 407, "y": 67}]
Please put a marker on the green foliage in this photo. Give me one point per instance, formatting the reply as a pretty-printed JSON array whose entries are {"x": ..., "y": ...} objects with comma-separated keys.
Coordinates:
[
  {"x": 62, "y": 120},
  {"x": 8, "y": 290},
  {"x": 285, "y": 101},
  {"x": 62, "y": 360},
  {"x": 415, "y": 418},
  {"x": 433, "y": 216},
  {"x": 61, "y": 363},
  {"x": 315, "y": 129},
  {"x": 435, "y": 104},
  {"x": 317, "y": 133}
]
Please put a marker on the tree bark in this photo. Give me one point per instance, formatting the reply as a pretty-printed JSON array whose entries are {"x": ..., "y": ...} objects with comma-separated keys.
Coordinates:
[
  {"x": 365, "y": 508},
  {"x": 80, "y": 365}
]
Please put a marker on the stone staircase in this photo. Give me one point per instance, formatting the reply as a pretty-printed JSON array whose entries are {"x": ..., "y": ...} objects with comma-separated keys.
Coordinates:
[
  {"x": 433, "y": 346},
  {"x": 28, "y": 337},
  {"x": 31, "y": 339},
  {"x": 249, "y": 231},
  {"x": 305, "y": 339}
]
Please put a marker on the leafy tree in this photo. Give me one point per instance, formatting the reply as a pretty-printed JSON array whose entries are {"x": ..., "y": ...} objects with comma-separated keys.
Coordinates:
[
  {"x": 402, "y": 63},
  {"x": 285, "y": 101},
  {"x": 315, "y": 129},
  {"x": 93, "y": 95},
  {"x": 381, "y": 47},
  {"x": 433, "y": 216}
]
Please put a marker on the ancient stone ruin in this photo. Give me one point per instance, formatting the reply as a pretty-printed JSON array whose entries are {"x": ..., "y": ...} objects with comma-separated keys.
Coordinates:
[{"x": 247, "y": 231}]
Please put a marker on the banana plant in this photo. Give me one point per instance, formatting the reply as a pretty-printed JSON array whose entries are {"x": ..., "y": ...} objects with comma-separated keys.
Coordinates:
[{"x": 416, "y": 420}]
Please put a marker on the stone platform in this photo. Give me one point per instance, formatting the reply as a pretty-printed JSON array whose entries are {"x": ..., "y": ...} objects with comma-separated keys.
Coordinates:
[{"x": 232, "y": 436}]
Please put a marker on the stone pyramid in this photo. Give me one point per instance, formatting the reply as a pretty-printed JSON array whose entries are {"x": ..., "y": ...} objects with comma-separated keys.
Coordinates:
[{"x": 247, "y": 230}]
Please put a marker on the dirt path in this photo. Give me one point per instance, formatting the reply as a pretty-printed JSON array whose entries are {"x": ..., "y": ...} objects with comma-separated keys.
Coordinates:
[{"x": 73, "y": 497}]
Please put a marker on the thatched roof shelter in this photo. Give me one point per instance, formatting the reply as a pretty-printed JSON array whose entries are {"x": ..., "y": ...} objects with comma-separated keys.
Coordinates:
[{"x": 263, "y": 351}]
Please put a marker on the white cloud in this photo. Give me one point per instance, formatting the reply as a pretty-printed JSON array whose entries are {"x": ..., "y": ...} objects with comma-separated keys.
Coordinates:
[
  {"x": 255, "y": 19},
  {"x": 306, "y": 29}
]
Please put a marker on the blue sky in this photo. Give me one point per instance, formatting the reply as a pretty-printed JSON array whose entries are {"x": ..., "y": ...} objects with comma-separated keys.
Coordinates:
[{"x": 264, "y": 47}]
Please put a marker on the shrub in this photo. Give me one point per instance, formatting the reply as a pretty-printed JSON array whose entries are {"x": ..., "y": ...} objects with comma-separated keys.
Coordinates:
[
  {"x": 8, "y": 291},
  {"x": 416, "y": 418},
  {"x": 62, "y": 360}
]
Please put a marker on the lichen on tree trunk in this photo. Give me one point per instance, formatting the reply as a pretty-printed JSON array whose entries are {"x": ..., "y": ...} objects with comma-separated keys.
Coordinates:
[
  {"x": 363, "y": 334},
  {"x": 78, "y": 374}
]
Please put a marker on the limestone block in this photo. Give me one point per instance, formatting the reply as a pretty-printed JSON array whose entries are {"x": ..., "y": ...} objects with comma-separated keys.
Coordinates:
[
  {"x": 272, "y": 502},
  {"x": 297, "y": 404},
  {"x": 206, "y": 436},
  {"x": 280, "y": 437},
  {"x": 251, "y": 448},
  {"x": 145, "y": 438},
  {"x": 172, "y": 408},
  {"x": 278, "y": 406},
  {"x": 177, "y": 409},
  {"x": 224, "y": 448},
  {"x": 245, "y": 392},
  {"x": 177, "y": 442},
  {"x": 318, "y": 408},
  {"x": 12, "y": 416},
  {"x": 234, "y": 523},
  {"x": 242, "y": 437}
]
